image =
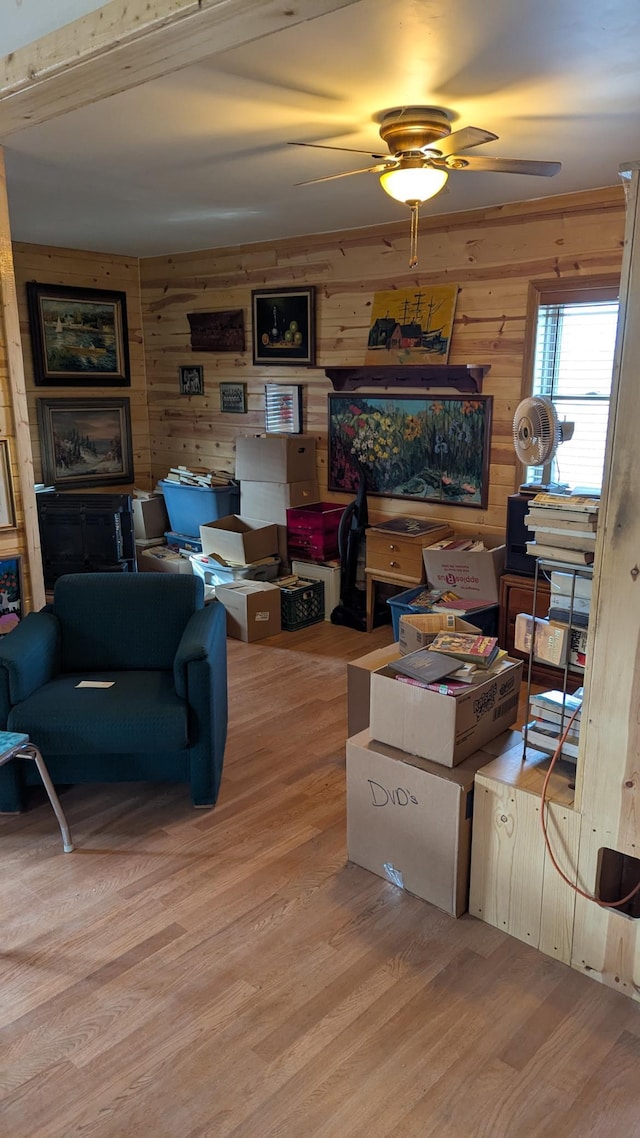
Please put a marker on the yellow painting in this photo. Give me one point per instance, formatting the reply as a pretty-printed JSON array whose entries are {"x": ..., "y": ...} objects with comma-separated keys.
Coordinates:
[{"x": 412, "y": 325}]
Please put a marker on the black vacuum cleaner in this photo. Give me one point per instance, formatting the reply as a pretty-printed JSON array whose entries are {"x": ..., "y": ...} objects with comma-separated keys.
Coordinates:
[{"x": 351, "y": 538}]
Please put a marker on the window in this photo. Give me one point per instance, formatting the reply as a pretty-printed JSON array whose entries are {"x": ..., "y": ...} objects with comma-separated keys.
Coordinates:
[{"x": 573, "y": 364}]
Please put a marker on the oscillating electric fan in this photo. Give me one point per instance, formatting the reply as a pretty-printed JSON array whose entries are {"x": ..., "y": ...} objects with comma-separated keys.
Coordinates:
[{"x": 537, "y": 434}]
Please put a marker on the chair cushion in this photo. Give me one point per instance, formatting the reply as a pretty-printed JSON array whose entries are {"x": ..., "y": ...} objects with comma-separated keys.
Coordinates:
[
  {"x": 141, "y": 712},
  {"x": 123, "y": 620}
]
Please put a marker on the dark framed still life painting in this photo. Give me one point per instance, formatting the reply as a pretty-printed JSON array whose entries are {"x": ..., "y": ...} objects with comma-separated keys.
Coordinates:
[
  {"x": 79, "y": 336},
  {"x": 284, "y": 326},
  {"x": 85, "y": 442},
  {"x": 430, "y": 448}
]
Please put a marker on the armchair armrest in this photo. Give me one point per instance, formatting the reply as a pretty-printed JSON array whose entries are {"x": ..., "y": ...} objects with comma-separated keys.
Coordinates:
[
  {"x": 204, "y": 637},
  {"x": 29, "y": 657}
]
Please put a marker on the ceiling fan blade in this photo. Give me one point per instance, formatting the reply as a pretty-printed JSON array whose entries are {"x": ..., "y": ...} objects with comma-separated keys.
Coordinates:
[
  {"x": 348, "y": 173},
  {"x": 504, "y": 165},
  {"x": 463, "y": 139},
  {"x": 346, "y": 149}
]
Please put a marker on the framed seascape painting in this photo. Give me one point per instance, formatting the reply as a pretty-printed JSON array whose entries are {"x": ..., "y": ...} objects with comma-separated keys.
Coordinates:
[
  {"x": 85, "y": 442},
  {"x": 411, "y": 325},
  {"x": 79, "y": 336},
  {"x": 283, "y": 326},
  {"x": 430, "y": 448}
]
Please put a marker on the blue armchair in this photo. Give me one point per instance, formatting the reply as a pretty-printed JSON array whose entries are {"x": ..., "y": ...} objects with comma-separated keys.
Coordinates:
[{"x": 162, "y": 652}]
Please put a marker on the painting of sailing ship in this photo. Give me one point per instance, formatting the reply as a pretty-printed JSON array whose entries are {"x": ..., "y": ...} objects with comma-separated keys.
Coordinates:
[
  {"x": 85, "y": 442},
  {"x": 430, "y": 448},
  {"x": 411, "y": 325},
  {"x": 78, "y": 335}
]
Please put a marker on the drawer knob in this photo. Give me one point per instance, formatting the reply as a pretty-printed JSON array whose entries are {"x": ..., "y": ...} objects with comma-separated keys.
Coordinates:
[
  {"x": 393, "y": 564},
  {"x": 393, "y": 547}
]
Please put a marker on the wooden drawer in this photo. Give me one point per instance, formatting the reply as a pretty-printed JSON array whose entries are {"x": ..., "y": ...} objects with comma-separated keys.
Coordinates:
[{"x": 395, "y": 555}]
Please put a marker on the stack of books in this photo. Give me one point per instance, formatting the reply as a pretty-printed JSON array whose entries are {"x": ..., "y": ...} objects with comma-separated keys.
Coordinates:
[
  {"x": 466, "y": 544},
  {"x": 564, "y": 526},
  {"x": 553, "y": 711},
  {"x": 449, "y": 674},
  {"x": 570, "y": 600},
  {"x": 198, "y": 476}
]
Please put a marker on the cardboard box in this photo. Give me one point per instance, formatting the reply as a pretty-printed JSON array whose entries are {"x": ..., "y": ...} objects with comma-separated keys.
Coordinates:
[
  {"x": 475, "y": 576},
  {"x": 330, "y": 577},
  {"x": 239, "y": 541},
  {"x": 276, "y": 458},
  {"x": 253, "y": 609},
  {"x": 409, "y": 820},
  {"x": 150, "y": 517},
  {"x": 359, "y": 685},
  {"x": 417, "y": 630},
  {"x": 271, "y": 500},
  {"x": 443, "y": 728},
  {"x": 161, "y": 559}
]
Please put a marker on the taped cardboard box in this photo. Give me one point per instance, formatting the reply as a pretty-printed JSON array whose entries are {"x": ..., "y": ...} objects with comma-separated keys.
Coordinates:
[
  {"x": 253, "y": 609},
  {"x": 409, "y": 820},
  {"x": 271, "y": 500},
  {"x": 150, "y": 518},
  {"x": 419, "y": 629},
  {"x": 276, "y": 458},
  {"x": 443, "y": 728},
  {"x": 473, "y": 576},
  {"x": 359, "y": 685}
]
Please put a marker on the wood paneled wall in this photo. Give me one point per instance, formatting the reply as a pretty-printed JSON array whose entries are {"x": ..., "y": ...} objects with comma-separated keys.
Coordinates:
[
  {"x": 81, "y": 269},
  {"x": 493, "y": 255}
]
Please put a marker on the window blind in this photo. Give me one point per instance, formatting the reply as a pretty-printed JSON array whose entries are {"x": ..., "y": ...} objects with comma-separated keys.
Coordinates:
[{"x": 573, "y": 366}]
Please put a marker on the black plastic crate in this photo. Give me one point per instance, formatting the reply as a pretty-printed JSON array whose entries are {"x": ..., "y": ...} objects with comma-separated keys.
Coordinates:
[{"x": 302, "y": 604}]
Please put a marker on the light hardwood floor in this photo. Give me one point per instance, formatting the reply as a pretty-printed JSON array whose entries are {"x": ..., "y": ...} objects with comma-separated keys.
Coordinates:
[{"x": 227, "y": 974}]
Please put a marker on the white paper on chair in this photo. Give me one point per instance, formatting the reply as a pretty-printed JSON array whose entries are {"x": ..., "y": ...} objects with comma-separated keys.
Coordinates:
[{"x": 96, "y": 684}]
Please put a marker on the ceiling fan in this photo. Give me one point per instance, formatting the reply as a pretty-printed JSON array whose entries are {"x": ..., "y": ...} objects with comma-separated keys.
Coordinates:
[{"x": 423, "y": 152}]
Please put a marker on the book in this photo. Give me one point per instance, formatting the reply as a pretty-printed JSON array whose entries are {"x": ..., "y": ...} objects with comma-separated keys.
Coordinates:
[
  {"x": 559, "y": 553},
  {"x": 424, "y": 665},
  {"x": 411, "y": 527},
  {"x": 584, "y": 523},
  {"x": 460, "y": 606},
  {"x": 564, "y": 539},
  {"x": 478, "y": 650},
  {"x": 568, "y": 616},
  {"x": 548, "y": 705},
  {"x": 575, "y": 603},
  {"x": 546, "y": 738},
  {"x": 568, "y": 584},
  {"x": 573, "y": 503}
]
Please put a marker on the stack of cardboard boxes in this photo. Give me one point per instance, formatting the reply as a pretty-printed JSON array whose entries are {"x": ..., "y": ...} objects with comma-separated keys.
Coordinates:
[{"x": 412, "y": 756}]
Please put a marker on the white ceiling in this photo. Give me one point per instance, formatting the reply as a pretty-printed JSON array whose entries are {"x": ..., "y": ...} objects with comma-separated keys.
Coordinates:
[{"x": 199, "y": 158}]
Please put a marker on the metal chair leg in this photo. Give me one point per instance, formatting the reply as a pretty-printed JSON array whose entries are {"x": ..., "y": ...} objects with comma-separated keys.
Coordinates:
[{"x": 32, "y": 752}]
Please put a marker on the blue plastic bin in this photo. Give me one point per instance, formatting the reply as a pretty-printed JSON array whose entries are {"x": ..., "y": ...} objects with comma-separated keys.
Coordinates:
[
  {"x": 485, "y": 619},
  {"x": 190, "y": 507}
]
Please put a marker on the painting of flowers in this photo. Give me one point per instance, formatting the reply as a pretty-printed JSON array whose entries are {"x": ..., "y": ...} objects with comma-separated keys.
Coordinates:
[{"x": 431, "y": 448}]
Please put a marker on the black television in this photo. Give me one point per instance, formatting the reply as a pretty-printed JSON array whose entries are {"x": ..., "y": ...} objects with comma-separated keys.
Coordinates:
[{"x": 85, "y": 533}]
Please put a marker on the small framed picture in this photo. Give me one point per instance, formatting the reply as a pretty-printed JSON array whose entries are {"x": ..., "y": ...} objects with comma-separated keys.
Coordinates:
[
  {"x": 191, "y": 379},
  {"x": 283, "y": 408},
  {"x": 283, "y": 326},
  {"x": 233, "y": 398}
]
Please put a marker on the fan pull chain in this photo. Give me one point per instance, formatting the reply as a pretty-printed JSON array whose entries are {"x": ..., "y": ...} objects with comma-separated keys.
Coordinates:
[{"x": 413, "y": 239}]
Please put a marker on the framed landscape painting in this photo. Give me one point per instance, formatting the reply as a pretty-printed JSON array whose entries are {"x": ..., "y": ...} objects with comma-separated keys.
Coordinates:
[
  {"x": 79, "y": 336},
  {"x": 85, "y": 442},
  {"x": 431, "y": 448}
]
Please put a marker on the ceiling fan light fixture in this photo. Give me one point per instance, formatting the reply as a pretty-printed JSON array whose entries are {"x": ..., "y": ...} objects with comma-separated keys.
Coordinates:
[{"x": 411, "y": 184}]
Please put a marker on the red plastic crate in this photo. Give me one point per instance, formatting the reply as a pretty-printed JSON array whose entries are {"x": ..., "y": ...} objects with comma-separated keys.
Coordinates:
[{"x": 312, "y": 531}]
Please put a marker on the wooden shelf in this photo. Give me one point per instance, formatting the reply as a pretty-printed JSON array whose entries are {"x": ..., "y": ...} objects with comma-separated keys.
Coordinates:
[{"x": 464, "y": 377}]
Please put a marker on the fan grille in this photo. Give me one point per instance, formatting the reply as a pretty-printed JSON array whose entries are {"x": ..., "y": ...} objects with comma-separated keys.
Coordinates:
[{"x": 536, "y": 432}]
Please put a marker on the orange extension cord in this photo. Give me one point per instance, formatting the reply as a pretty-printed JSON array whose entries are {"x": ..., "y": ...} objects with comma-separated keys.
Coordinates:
[{"x": 543, "y": 819}]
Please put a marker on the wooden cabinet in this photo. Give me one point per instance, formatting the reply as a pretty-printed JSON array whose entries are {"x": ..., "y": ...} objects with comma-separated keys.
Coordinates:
[{"x": 395, "y": 553}]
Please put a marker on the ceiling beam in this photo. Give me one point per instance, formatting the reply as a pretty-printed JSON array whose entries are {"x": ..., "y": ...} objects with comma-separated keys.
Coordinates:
[{"x": 129, "y": 42}]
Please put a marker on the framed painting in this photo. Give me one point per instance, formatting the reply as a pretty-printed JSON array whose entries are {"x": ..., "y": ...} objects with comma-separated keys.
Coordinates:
[
  {"x": 233, "y": 398},
  {"x": 283, "y": 408},
  {"x": 411, "y": 325},
  {"x": 429, "y": 448},
  {"x": 10, "y": 593},
  {"x": 85, "y": 442},
  {"x": 217, "y": 331},
  {"x": 284, "y": 326},
  {"x": 79, "y": 336},
  {"x": 191, "y": 380},
  {"x": 7, "y": 502}
]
